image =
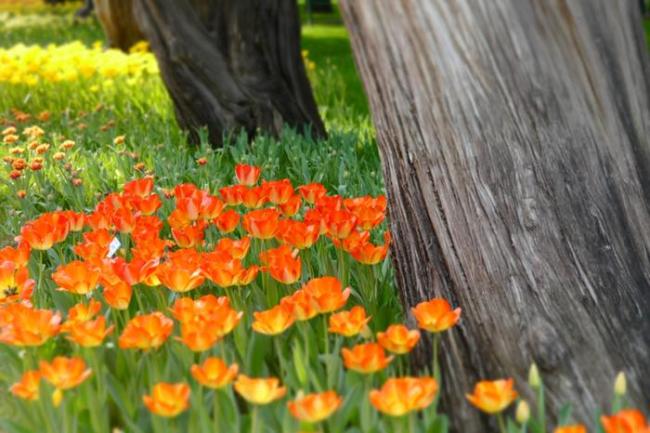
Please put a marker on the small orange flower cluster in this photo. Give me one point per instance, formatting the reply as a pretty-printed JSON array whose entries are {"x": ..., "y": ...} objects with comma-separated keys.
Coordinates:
[{"x": 29, "y": 151}]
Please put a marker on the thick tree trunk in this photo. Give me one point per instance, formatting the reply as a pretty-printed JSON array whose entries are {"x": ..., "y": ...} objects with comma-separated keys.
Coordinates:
[
  {"x": 231, "y": 64},
  {"x": 118, "y": 22},
  {"x": 514, "y": 139}
]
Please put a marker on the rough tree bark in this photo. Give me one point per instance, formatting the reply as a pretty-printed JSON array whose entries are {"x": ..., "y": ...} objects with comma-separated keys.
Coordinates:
[
  {"x": 231, "y": 64},
  {"x": 118, "y": 22},
  {"x": 514, "y": 140}
]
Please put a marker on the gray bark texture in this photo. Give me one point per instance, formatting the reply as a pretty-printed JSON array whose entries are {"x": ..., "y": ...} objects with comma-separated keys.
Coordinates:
[
  {"x": 231, "y": 64},
  {"x": 118, "y": 22},
  {"x": 514, "y": 137}
]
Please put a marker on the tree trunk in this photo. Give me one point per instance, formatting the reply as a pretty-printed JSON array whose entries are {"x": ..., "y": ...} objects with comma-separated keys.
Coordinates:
[
  {"x": 514, "y": 140},
  {"x": 118, "y": 22},
  {"x": 231, "y": 64}
]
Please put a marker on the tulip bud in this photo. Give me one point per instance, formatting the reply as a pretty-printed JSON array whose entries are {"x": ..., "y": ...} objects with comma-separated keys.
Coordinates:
[
  {"x": 523, "y": 412},
  {"x": 620, "y": 384},
  {"x": 533, "y": 377}
]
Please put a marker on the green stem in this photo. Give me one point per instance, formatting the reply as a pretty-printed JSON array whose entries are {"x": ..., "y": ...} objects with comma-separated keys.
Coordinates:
[
  {"x": 502, "y": 424},
  {"x": 436, "y": 365},
  {"x": 411, "y": 423},
  {"x": 541, "y": 407},
  {"x": 326, "y": 336},
  {"x": 254, "y": 428},
  {"x": 215, "y": 404}
]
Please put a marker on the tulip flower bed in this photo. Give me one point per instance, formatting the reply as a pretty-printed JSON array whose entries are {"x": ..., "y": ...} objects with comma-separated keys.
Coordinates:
[{"x": 183, "y": 310}]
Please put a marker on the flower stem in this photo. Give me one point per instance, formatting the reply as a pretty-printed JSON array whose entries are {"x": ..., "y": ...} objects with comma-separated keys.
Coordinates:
[
  {"x": 216, "y": 411},
  {"x": 502, "y": 424},
  {"x": 254, "y": 419}
]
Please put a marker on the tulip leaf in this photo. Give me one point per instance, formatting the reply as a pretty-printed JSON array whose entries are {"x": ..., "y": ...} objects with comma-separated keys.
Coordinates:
[
  {"x": 439, "y": 425},
  {"x": 564, "y": 415}
]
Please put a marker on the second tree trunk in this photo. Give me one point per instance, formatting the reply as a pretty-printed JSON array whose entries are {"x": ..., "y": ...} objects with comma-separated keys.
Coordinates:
[{"x": 231, "y": 65}]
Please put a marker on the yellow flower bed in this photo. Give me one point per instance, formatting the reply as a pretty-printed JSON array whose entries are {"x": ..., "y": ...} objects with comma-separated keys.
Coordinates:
[{"x": 32, "y": 64}]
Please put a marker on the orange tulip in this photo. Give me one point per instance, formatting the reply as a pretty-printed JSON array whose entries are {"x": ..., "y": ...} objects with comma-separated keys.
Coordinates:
[
  {"x": 493, "y": 396},
  {"x": 232, "y": 195},
  {"x": 214, "y": 373},
  {"x": 262, "y": 223},
  {"x": 190, "y": 236},
  {"x": 352, "y": 242},
  {"x": 64, "y": 373},
  {"x": 139, "y": 187},
  {"x": 202, "y": 309},
  {"x": 225, "y": 271},
  {"x": 95, "y": 246},
  {"x": 370, "y": 254},
  {"x": 236, "y": 248},
  {"x": 18, "y": 255},
  {"x": 76, "y": 220},
  {"x": 24, "y": 325},
  {"x": 146, "y": 205},
  {"x": 146, "y": 331},
  {"x": 312, "y": 192},
  {"x": 436, "y": 315},
  {"x": 327, "y": 293},
  {"x": 117, "y": 295},
  {"x": 398, "y": 339},
  {"x": 577, "y": 428},
  {"x": 625, "y": 421},
  {"x": 123, "y": 219},
  {"x": 199, "y": 205},
  {"x": 282, "y": 263},
  {"x": 147, "y": 230},
  {"x": 291, "y": 206},
  {"x": 199, "y": 336},
  {"x": 298, "y": 234},
  {"x": 399, "y": 396},
  {"x": 328, "y": 203},
  {"x": 259, "y": 390},
  {"x": 81, "y": 313},
  {"x": 28, "y": 386},
  {"x": 340, "y": 223},
  {"x": 247, "y": 174},
  {"x": 254, "y": 197},
  {"x": 275, "y": 320},
  {"x": 100, "y": 219},
  {"x": 90, "y": 333},
  {"x": 45, "y": 231},
  {"x": 278, "y": 191},
  {"x": 168, "y": 399},
  {"x": 348, "y": 323},
  {"x": 184, "y": 190},
  {"x": 365, "y": 358},
  {"x": 370, "y": 211},
  {"x": 181, "y": 272},
  {"x": 136, "y": 271},
  {"x": 209, "y": 310},
  {"x": 15, "y": 283},
  {"x": 302, "y": 304},
  {"x": 227, "y": 222},
  {"x": 76, "y": 277},
  {"x": 313, "y": 408},
  {"x": 316, "y": 217}
]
